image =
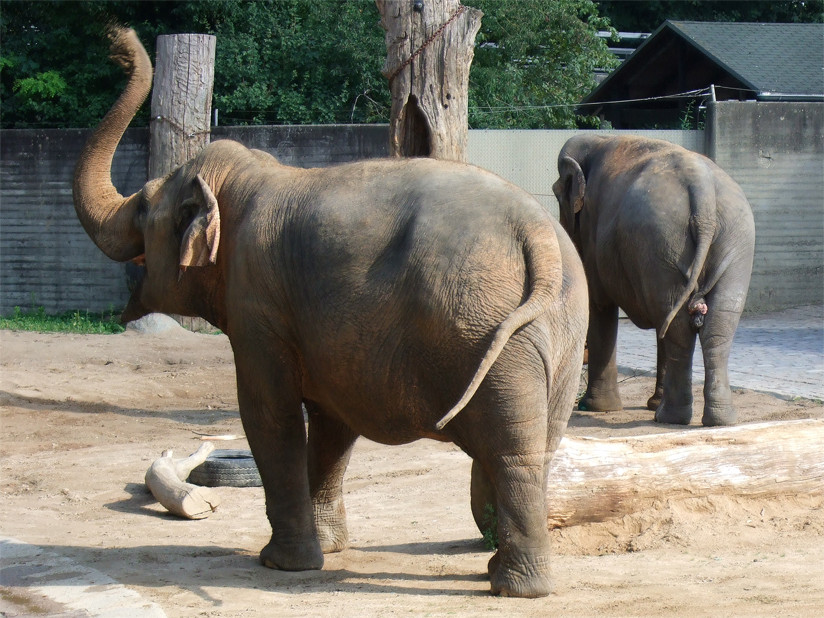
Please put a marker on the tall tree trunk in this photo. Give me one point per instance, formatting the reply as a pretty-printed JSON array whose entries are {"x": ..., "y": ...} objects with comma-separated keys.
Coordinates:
[
  {"x": 181, "y": 100},
  {"x": 430, "y": 46},
  {"x": 181, "y": 111}
]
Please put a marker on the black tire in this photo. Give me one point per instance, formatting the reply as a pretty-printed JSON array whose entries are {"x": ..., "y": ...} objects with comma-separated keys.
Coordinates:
[{"x": 227, "y": 468}]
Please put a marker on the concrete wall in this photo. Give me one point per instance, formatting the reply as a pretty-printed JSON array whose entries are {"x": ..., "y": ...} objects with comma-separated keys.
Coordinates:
[
  {"x": 775, "y": 151},
  {"x": 47, "y": 260},
  {"x": 529, "y": 159}
]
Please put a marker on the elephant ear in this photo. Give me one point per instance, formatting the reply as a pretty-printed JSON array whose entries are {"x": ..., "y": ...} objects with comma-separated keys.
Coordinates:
[
  {"x": 573, "y": 182},
  {"x": 202, "y": 237}
]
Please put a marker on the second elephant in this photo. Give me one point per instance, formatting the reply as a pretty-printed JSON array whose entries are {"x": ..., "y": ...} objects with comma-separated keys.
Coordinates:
[{"x": 668, "y": 237}]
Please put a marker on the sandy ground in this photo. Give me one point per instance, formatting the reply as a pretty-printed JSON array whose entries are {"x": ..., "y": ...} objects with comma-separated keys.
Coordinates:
[{"x": 83, "y": 417}]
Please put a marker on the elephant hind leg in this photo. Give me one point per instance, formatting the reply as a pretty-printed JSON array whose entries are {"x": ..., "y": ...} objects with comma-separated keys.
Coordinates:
[
  {"x": 716, "y": 342},
  {"x": 679, "y": 346},
  {"x": 505, "y": 432},
  {"x": 520, "y": 567},
  {"x": 330, "y": 444},
  {"x": 602, "y": 385},
  {"x": 658, "y": 395}
]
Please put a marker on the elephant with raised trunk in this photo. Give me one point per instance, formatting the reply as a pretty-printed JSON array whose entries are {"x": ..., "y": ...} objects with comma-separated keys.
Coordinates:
[
  {"x": 395, "y": 299},
  {"x": 667, "y": 236}
]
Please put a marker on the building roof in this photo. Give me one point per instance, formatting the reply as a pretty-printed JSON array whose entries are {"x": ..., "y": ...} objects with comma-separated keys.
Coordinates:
[
  {"x": 744, "y": 60},
  {"x": 769, "y": 58}
]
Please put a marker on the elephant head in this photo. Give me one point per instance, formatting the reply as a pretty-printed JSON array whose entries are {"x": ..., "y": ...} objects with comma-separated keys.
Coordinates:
[
  {"x": 176, "y": 215},
  {"x": 570, "y": 188}
]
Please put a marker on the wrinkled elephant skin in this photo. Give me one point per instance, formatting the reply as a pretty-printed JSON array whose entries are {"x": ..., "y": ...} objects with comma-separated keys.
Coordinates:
[
  {"x": 668, "y": 237},
  {"x": 395, "y": 299}
]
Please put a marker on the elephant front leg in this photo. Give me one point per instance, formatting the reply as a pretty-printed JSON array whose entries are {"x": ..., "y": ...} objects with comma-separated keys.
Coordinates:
[
  {"x": 270, "y": 408},
  {"x": 602, "y": 387},
  {"x": 330, "y": 447}
]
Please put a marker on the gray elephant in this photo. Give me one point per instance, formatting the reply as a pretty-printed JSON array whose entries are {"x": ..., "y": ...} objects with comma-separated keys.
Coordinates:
[
  {"x": 387, "y": 296},
  {"x": 668, "y": 237}
]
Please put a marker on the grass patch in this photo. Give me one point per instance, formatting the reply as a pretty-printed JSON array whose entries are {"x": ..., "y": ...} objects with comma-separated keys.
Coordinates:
[
  {"x": 490, "y": 527},
  {"x": 81, "y": 322}
]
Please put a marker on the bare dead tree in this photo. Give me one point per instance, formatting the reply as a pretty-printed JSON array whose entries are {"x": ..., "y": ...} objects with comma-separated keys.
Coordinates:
[{"x": 430, "y": 47}]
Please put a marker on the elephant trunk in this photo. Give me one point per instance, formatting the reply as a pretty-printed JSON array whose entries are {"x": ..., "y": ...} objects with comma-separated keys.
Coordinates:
[{"x": 111, "y": 220}]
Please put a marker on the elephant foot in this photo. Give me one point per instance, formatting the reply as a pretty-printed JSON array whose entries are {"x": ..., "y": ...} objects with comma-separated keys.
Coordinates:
[
  {"x": 654, "y": 402},
  {"x": 305, "y": 556},
  {"x": 674, "y": 415},
  {"x": 715, "y": 416},
  {"x": 600, "y": 403},
  {"x": 528, "y": 579}
]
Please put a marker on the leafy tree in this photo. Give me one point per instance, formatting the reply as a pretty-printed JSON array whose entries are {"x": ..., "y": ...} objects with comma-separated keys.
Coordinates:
[
  {"x": 647, "y": 16},
  {"x": 296, "y": 61},
  {"x": 286, "y": 61},
  {"x": 534, "y": 59},
  {"x": 293, "y": 61}
]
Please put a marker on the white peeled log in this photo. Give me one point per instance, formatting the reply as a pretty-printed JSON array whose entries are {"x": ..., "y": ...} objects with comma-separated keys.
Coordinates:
[
  {"x": 600, "y": 479},
  {"x": 166, "y": 478}
]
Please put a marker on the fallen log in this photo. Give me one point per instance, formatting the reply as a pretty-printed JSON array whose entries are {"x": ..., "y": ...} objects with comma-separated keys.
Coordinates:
[
  {"x": 599, "y": 479},
  {"x": 166, "y": 478}
]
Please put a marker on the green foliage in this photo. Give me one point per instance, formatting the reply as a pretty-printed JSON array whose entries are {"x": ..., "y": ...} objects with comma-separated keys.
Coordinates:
[
  {"x": 277, "y": 61},
  {"x": 319, "y": 61},
  {"x": 296, "y": 62},
  {"x": 534, "y": 60},
  {"x": 490, "y": 527},
  {"x": 647, "y": 16},
  {"x": 81, "y": 322}
]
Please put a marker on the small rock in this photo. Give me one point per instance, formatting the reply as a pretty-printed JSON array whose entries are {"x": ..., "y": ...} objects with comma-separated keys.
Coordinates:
[{"x": 153, "y": 324}]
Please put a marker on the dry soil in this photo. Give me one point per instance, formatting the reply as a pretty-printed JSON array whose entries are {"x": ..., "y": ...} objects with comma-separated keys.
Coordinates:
[{"x": 83, "y": 417}]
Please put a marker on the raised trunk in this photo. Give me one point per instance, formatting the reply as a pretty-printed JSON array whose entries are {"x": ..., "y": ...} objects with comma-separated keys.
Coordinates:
[{"x": 108, "y": 218}]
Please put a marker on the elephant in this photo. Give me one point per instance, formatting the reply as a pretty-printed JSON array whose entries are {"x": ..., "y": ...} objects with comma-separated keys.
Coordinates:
[
  {"x": 667, "y": 236},
  {"x": 396, "y": 299}
]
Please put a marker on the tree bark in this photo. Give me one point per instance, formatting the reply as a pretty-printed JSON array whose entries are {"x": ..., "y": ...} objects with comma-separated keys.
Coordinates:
[
  {"x": 596, "y": 480},
  {"x": 181, "y": 100},
  {"x": 181, "y": 111},
  {"x": 429, "y": 53}
]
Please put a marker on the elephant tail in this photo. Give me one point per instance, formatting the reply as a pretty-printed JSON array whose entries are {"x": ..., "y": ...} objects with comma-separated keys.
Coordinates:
[
  {"x": 542, "y": 255},
  {"x": 702, "y": 226}
]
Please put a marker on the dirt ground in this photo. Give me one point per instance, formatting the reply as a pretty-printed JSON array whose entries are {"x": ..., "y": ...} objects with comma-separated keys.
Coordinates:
[{"x": 83, "y": 417}]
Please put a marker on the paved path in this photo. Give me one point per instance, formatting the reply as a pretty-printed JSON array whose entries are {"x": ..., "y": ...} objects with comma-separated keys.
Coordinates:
[
  {"x": 780, "y": 353},
  {"x": 45, "y": 583}
]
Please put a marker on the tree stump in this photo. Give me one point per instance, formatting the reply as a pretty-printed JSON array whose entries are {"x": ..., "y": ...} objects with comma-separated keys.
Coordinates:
[{"x": 430, "y": 47}]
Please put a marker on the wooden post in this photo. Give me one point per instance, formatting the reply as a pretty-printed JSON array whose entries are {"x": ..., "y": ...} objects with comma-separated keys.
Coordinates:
[
  {"x": 181, "y": 111},
  {"x": 430, "y": 46},
  {"x": 181, "y": 100}
]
